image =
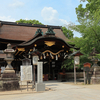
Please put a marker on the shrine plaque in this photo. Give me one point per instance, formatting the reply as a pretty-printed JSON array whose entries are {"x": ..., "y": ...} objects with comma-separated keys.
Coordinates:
[{"x": 26, "y": 72}]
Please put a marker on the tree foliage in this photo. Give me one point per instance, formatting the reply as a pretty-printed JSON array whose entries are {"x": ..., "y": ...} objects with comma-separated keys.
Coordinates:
[
  {"x": 84, "y": 48},
  {"x": 89, "y": 19},
  {"x": 91, "y": 8},
  {"x": 68, "y": 33},
  {"x": 89, "y": 27},
  {"x": 29, "y": 21},
  {"x": 68, "y": 64}
]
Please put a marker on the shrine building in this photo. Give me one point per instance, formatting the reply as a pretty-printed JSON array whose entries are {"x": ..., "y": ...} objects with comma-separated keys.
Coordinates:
[{"x": 28, "y": 40}]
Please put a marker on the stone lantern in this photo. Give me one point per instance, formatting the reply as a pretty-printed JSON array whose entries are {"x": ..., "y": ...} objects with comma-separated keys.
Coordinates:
[
  {"x": 9, "y": 78},
  {"x": 95, "y": 79}
]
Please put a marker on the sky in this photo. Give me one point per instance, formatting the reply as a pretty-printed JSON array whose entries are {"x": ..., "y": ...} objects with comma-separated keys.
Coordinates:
[{"x": 48, "y": 12}]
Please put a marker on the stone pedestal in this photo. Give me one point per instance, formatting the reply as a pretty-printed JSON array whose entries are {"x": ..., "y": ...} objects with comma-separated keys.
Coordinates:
[
  {"x": 95, "y": 79},
  {"x": 10, "y": 84},
  {"x": 39, "y": 85},
  {"x": 9, "y": 79}
]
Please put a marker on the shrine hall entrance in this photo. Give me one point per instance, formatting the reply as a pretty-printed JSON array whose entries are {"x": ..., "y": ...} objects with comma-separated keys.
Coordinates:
[
  {"x": 51, "y": 69},
  {"x": 49, "y": 48}
]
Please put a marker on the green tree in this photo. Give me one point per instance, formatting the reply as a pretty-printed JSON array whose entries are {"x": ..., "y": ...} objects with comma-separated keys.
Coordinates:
[
  {"x": 89, "y": 19},
  {"x": 29, "y": 21},
  {"x": 89, "y": 26},
  {"x": 84, "y": 48},
  {"x": 68, "y": 64},
  {"x": 68, "y": 33},
  {"x": 84, "y": 12}
]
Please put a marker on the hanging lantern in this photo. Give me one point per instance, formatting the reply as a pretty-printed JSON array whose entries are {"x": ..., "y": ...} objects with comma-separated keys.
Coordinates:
[
  {"x": 35, "y": 45},
  {"x": 31, "y": 49},
  {"x": 58, "y": 55},
  {"x": 62, "y": 46},
  {"x": 67, "y": 51},
  {"x": 52, "y": 57},
  {"x": 47, "y": 55},
  {"x": 41, "y": 57}
]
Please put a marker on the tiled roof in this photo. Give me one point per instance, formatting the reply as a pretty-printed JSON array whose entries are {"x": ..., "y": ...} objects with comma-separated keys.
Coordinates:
[{"x": 25, "y": 32}]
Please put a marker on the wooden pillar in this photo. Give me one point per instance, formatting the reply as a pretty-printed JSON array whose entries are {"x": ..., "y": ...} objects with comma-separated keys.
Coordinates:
[
  {"x": 74, "y": 74},
  {"x": 84, "y": 77}
]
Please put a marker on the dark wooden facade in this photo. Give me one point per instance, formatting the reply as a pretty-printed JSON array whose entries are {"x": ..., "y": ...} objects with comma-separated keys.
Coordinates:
[{"x": 25, "y": 38}]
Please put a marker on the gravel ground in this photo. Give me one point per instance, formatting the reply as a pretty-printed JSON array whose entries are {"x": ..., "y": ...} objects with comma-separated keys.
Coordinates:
[{"x": 55, "y": 91}]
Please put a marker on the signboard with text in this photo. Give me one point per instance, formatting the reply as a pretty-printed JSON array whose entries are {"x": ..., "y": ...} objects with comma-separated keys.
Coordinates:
[{"x": 26, "y": 72}]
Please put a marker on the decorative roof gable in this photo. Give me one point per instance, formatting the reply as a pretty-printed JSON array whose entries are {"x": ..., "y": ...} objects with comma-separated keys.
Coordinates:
[
  {"x": 39, "y": 31},
  {"x": 50, "y": 31}
]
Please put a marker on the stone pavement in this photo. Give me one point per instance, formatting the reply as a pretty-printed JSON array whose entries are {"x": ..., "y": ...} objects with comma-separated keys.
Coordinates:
[{"x": 56, "y": 91}]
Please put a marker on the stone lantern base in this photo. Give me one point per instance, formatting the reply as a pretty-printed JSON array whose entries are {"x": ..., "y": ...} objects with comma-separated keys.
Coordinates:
[
  {"x": 95, "y": 79},
  {"x": 9, "y": 80}
]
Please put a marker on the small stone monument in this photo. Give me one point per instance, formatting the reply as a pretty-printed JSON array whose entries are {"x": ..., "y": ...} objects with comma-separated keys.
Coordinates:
[
  {"x": 9, "y": 78},
  {"x": 40, "y": 86}
]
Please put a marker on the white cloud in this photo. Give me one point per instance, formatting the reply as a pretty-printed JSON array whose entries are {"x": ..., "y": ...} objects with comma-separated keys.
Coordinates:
[
  {"x": 7, "y": 18},
  {"x": 16, "y": 4},
  {"x": 64, "y": 22},
  {"x": 51, "y": 16},
  {"x": 76, "y": 34}
]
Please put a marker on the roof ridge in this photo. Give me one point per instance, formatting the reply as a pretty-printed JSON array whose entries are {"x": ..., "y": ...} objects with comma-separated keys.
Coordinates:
[{"x": 29, "y": 25}]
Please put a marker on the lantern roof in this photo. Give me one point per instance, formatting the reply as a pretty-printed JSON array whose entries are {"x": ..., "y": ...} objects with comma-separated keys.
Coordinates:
[{"x": 77, "y": 53}]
